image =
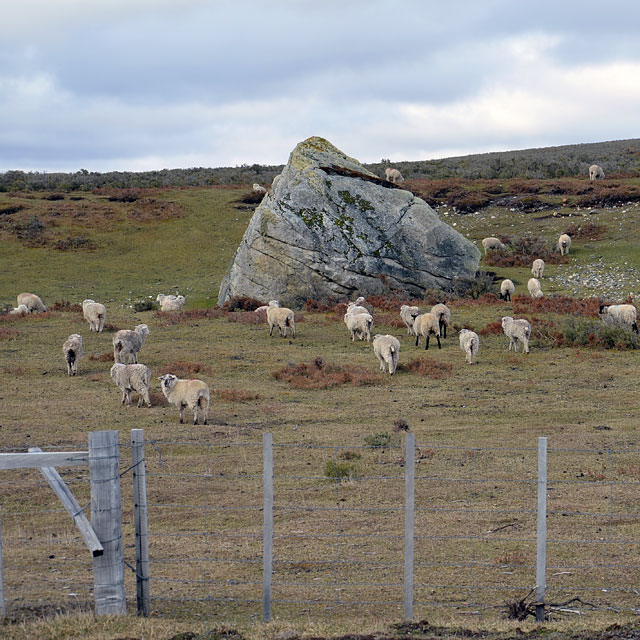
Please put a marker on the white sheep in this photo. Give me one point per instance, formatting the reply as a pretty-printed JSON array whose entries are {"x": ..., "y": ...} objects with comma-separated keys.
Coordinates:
[
  {"x": 257, "y": 188},
  {"x": 596, "y": 172},
  {"x": 506, "y": 289},
  {"x": 356, "y": 307},
  {"x": 492, "y": 243},
  {"x": 173, "y": 303},
  {"x": 264, "y": 307},
  {"x": 95, "y": 314},
  {"x": 515, "y": 330},
  {"x": 443, "y": 313},
  {"x": 393, "y": 175},
  {"x": 535, "y": 290},
  {"x": 537, "y": 268},
  {"x": 281, "y": 317},
  {"x": 408, "y": 315},
  {"x": 424, "y": 325},
  {"x": 32, "y": 302},
  {"x": 387, "y": 350},
  {"x": 72, "y": 349},
  {"x": 620, "y": 315},
  {"x": 20, "y": 310},
  {"x": 360, "y": 324},
  {"x": 132, "y": 377},
  {"x": 564, "y": 242},
  {"x": 470, "y": 344},
  {"x": 161, "y": 297},
  {"x": 127, "y": 343},
  {"x": 187, "y": 393}
]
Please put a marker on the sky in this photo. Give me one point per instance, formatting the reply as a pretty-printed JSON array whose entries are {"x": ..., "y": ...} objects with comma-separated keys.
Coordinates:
[{"x": 138, "y": 85}]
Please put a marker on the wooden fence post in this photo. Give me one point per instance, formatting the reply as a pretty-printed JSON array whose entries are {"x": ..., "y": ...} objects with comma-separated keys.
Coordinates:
[
  {"x": 106, "y": 520},
  {"x": 267, "y": 554},
  {"x": 409, "y": 521},
  {"x": 541, "y": 559},
  {"x": 141, "y": 521}
]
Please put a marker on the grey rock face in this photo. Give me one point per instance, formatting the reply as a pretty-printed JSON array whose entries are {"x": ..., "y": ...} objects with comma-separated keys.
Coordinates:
[{"x": 332, "y": 228}]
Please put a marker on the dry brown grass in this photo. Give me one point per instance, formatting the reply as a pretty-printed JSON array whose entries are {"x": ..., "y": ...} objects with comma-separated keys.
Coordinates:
[{"x": 318, "y": 374}]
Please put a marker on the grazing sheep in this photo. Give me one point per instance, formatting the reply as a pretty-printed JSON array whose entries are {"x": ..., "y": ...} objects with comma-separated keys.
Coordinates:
[
  {"x": 443, "y": 313},
  {"x": 620, "y": 315},
  {"x": 387, "y": 350},
  {"x": 492, "y": 243},
  {"x": 470, "y": 344},
  {"x": 257, "y": 188},
  {"x": 393, "y": 175},
  {"x": 32, "y": 302},
  {"x": 506, "y": 289},
  {"x": 127, "y": 343},
  {"x": 187, "y": 393},
  {"x": 132, "y": 377},
  {"x": 20, "y": 310},
  {"x": 596, "y": 172},
  {"x": 173, "y": 303},
  {"x": 161, "y": 297},
  {"x": 564, "y": 242},
  {"x": 537, "y": 268},
  {"x": 425, "y": 325},
  {"x": 356, "y": 307},
  {"x": 72, "y": 349},
  {"x": 360, "y": 324},
  {"x": 283, "y": 318},
  {"x": 534, "y": 288},
  {"x": 408, "y": 315},
  {"x": 517, "y": 330},
  {"x": 95, "y": 314}
]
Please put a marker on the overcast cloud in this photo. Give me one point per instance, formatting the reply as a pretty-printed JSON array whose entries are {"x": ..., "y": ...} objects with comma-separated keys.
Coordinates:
[{"x": 135, "y": 85}]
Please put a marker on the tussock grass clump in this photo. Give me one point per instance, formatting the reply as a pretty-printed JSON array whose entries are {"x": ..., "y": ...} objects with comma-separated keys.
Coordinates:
[
  {"x": 378, "y": 440},
  {"x": 184, "y": 369},
  {"x": 556, "y": 304},
  {"x": 340, "y": 470},
  {"x": 317, "y": 374},
  {"x": 586, "y": 231},
  {"x": 427, "y": 367},
  {"x": 66, "y": 307},
  {"x": 235, "y": 395},
  {"x": 75, "y": 243}
]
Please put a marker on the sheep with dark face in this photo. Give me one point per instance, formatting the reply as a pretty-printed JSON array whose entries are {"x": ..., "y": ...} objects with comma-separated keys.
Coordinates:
[
  {"x": 187, "y": 393},
  {"x": 620, "y": 315},
  {"x": 425, "y": 325}
]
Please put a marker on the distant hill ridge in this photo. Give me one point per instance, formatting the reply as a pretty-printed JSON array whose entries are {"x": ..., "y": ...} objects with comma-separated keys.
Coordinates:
[{"x": 617, "y": 156}]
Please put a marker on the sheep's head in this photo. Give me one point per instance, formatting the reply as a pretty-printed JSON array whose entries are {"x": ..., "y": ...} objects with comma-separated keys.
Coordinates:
[
  {"x": 143, "y": 330},
  {"x": 167, "y": 382},
  {"x": 506, "y": 320}
]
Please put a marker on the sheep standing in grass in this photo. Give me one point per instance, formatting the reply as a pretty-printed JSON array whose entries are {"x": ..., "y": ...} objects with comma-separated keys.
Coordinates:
[
  {"x": 443, "y": 313},
  {"x": 257, "y": 188},
  {"x": 470, "y": 344},
  {"x": 387, "y": 350},
  {"x": 537, "y": 268},
  {"x": 72, "y": 349},
  {"x": 506, "y": 289},
  {"x": 281, "y": 317},
  {"x": 20, "y": 310},
  {"x": 425, "y": 325},
  {"x": 564, "y": 242},
  {"x": 95, "y": 314},
  {"x": 187, "y": 393},
  {"x": 408, "y": 315},
  {"x": 492, "y": 243},
  {"x": 32, "y": 302},
  {"x": 132, "y": 377},
  {"x": 534, "y": 288},
  {"x": 127, "y": 343},
  {"x": 175, "y": 303},
  {"x": 517, "y": 330},
  {"x": 359, "y": 324},
  {"x": 620, "y": 315},
  {"x": 596, "y": 172},
  {"x": 393, "y": 175}
]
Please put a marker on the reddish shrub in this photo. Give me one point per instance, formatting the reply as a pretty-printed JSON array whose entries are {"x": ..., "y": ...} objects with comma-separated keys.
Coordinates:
[
  {"x": 586, "y": 231},
  {"x": 66, "y": 306},
  {"x": 242, "y": 303},
  {"x": 556, "y": 304},
  {"x": 427, "y": 367},
  {"x": 6, "y": 333},
  {"x": 493, "y": 328},
  {"x": 103, "y": 357},
  {"x": 317, "y": 374}
]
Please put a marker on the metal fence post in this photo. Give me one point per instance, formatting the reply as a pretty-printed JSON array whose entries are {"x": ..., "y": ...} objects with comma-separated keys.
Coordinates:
[
  {"x": 106, "y": 520},
  {"x": 141, "y": 520},
  {"x": 541, "y": 559},
  {"x": 409, "y": 521},
  {"x": 267, "y": 554}
]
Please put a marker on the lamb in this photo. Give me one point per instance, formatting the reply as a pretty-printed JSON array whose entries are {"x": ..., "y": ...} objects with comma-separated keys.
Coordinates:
[
  {"x": 32, "y": 302},
  {"x": 173, "y": 303},
  {"x": 408, "y": 315},
  {"x": 72, "y": 349},
  {"x": 470, "y": 344},
  {"x": 517, "y": 330},
  {"x": 95, "y": 314},
  {"x": 257, "y": 188},
  {"x": 534, "y": 288},
  {"x": 537, "y": 268},
  {"x": 506, "y": 289},
  {"x": 492, "y": 243},
  {"x": 443, "y": 313},
  {"x": 393, "y": 175},
  {"x": 620, "y": 315},
  {"x": 187, "y": 393},
  {"x": 283, "y": 318},
  {"x": 425, "y": 325},
  {"x": 127, "y": 343},
  {"x": 132, "y": 377},
  {"x": 359, "y": 323},
  {"x": 564, "y": 242},
  {"x": 20, "y": 310},
  {"x": 387, "y": 350},
  {"x": 596, "y": 172}
]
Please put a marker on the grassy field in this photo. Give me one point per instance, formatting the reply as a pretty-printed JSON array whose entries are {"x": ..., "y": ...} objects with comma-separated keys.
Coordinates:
[{"x": 468, "y": 422}]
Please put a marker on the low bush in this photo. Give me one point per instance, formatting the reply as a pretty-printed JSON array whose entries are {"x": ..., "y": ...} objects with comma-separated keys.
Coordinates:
[
  {"x": 242, "y": 303},
  {"x": 565, "y": 305},
  {"x": 378, "y": 440},
  {"x": 66, "y": 307},
  {"x": 74, "y": 243},
  {"x": 317, "y": 374},
  {"x": 586, "y": 231},
  {"x": 427, "y": 367},
  {"x": 340, "y": 470},
  {"x": 144, "y": 305},
  {"x": 583, "y": 332}
]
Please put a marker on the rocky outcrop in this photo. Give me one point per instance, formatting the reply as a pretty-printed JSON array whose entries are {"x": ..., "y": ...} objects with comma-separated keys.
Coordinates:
[{"x": 332, "y": 228}]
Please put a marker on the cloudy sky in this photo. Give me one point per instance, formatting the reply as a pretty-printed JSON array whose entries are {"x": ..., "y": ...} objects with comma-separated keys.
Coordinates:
[{"x": 135, "y": 85}]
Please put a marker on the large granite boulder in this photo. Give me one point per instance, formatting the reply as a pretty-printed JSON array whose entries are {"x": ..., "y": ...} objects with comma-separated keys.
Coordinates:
[{"x": 330, "y": 228}]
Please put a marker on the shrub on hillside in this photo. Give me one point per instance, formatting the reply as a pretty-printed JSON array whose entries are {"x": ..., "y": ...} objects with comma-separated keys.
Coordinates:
[
  {"x": 582, "y": 332},
  {"x": 317, "y": 374},
  {"x": 556, "y": 304},
  {"x": 74, "y": 243},
  {"x": 66, "y": 306},
  {"x": 522, "y": 251},
  {"x": 586, "y": 231}
]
